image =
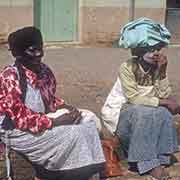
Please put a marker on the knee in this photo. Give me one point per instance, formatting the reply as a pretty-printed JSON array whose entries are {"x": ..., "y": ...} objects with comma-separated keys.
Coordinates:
[
  {"x": 89, "y": 116},
  {"x": 164, "y": 113}
]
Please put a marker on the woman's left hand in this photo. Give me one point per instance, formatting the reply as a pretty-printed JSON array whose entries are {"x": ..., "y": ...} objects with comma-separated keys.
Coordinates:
[
  {"x": 162, "y": 65},
  {"x": 162, "y": 60}
]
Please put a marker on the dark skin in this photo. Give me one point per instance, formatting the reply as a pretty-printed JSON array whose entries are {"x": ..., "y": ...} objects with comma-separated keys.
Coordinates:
[
  {"x": 158, "y": 60},
  {"x": 73, "y": 117},
  {"x": 31, "y": 59}
]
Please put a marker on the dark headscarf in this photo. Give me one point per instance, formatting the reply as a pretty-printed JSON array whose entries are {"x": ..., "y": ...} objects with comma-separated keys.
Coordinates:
[
  {"x": 19, "y": 41},
  {"x": 23, "y": 38}
]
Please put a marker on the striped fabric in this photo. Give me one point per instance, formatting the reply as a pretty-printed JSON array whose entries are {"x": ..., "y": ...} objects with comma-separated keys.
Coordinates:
[
  {"x": 148, "y": 133},
  {"x": 59, "y": 148}
]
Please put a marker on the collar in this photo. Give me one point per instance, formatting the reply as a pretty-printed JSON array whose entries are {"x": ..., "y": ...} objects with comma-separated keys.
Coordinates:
[{"x": 31, "y": 77}]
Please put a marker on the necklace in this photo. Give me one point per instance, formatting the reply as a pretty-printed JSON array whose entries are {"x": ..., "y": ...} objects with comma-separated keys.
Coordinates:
[{"x": 144, "y": 72}]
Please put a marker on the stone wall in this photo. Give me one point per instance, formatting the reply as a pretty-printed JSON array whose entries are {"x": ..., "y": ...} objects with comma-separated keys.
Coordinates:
[
  {"x": 101, "y": 21},
  {"x": 14, "y": 14},
  {"x": 154, "y": 9},
  {"x": 16, "y": 17}
]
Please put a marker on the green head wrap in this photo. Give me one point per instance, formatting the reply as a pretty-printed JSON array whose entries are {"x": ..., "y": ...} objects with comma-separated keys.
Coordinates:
[{"x": 143, "y": 33}]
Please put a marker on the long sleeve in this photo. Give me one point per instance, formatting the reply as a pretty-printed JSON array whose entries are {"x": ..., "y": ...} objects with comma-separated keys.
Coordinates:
[
  {"x": 163, "y": 88},
  {"x": 10, "y": 103},
  {"x": 130, "y": 87}
]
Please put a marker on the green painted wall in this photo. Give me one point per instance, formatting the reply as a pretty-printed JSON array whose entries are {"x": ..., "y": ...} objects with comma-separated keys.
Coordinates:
[{"x": 57, "y": 19}]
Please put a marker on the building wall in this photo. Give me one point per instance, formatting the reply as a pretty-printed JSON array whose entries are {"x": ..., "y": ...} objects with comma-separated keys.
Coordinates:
[
  {"x": 15, "y": 14},
  {"x": 101, "y": 20},
  {"x": 154, "y": 9}
]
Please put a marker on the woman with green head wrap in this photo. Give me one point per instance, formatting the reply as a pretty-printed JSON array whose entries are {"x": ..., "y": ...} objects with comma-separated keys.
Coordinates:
[{"x": 146, "y": 122}]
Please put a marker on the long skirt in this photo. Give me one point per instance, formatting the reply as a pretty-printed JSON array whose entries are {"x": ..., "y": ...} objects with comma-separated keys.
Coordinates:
[
  {"x": 147, "y": 132},
  {"x": 61, "y": 148}
]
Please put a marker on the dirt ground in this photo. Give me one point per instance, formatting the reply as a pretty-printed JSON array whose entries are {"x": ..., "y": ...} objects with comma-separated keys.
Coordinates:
[{"x": 86, "y": 75}]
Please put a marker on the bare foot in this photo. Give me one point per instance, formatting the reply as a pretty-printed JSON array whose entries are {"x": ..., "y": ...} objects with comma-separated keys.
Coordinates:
[{"x": 159, "y": 172}]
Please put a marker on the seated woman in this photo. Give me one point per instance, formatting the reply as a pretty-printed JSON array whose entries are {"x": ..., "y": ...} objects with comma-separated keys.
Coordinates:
[
  {"x": 145, "y": 127},
  {"x": 67, "y": 144}
]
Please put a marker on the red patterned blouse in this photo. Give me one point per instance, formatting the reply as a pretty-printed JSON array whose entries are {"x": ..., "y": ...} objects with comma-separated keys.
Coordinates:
[{"x": 11, "y": 103}]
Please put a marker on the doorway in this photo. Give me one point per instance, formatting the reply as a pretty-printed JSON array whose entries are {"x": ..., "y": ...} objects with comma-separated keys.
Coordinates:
[
  {"x": 57, "y": 19},
  {"x": 173, "y": 19}
]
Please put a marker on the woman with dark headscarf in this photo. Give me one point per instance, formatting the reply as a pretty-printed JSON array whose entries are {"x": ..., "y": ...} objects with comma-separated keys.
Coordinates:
[
  {"x": 145, "y": 127},
  {"x": 67, "y": 144}
]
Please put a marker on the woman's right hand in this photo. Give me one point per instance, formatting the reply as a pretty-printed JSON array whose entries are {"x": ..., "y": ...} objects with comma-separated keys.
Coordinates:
[
  {"x": 70, "y": 118},
  {"x": 171, "y": 105}
]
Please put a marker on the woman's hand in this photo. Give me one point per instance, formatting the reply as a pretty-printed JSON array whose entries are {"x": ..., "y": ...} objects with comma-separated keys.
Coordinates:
[
  {"x": 162, "y": 65},
  {"x": 171, "y": 105},
  {"x": 162, "y": 60},
  {"x": 73, "y": 117}
]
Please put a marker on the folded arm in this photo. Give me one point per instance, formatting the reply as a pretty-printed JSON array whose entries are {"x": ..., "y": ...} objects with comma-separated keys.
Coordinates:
[{"x": 130, "y": 88}]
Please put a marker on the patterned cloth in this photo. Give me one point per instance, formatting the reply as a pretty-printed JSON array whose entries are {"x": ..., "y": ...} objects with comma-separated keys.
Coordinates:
[
  {"x": 148, "y": 134},
  {"x": 145, "y": 166},
  {"x": 59, "y": 148},
  {"x": 143, "y": 32},
  {"x": 10, "y": 101}
]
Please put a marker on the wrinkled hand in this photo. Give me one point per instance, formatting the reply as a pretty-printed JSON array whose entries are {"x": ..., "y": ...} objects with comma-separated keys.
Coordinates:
[
  {"x": 73, "y": 117},
  {"x": 162, "y": 65},
  {"x": 171, "y": 105},
  {"x": 75, "y": 112},
  {"x": 76, "y": 115},
  {"x": 162, "y": 60}
]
